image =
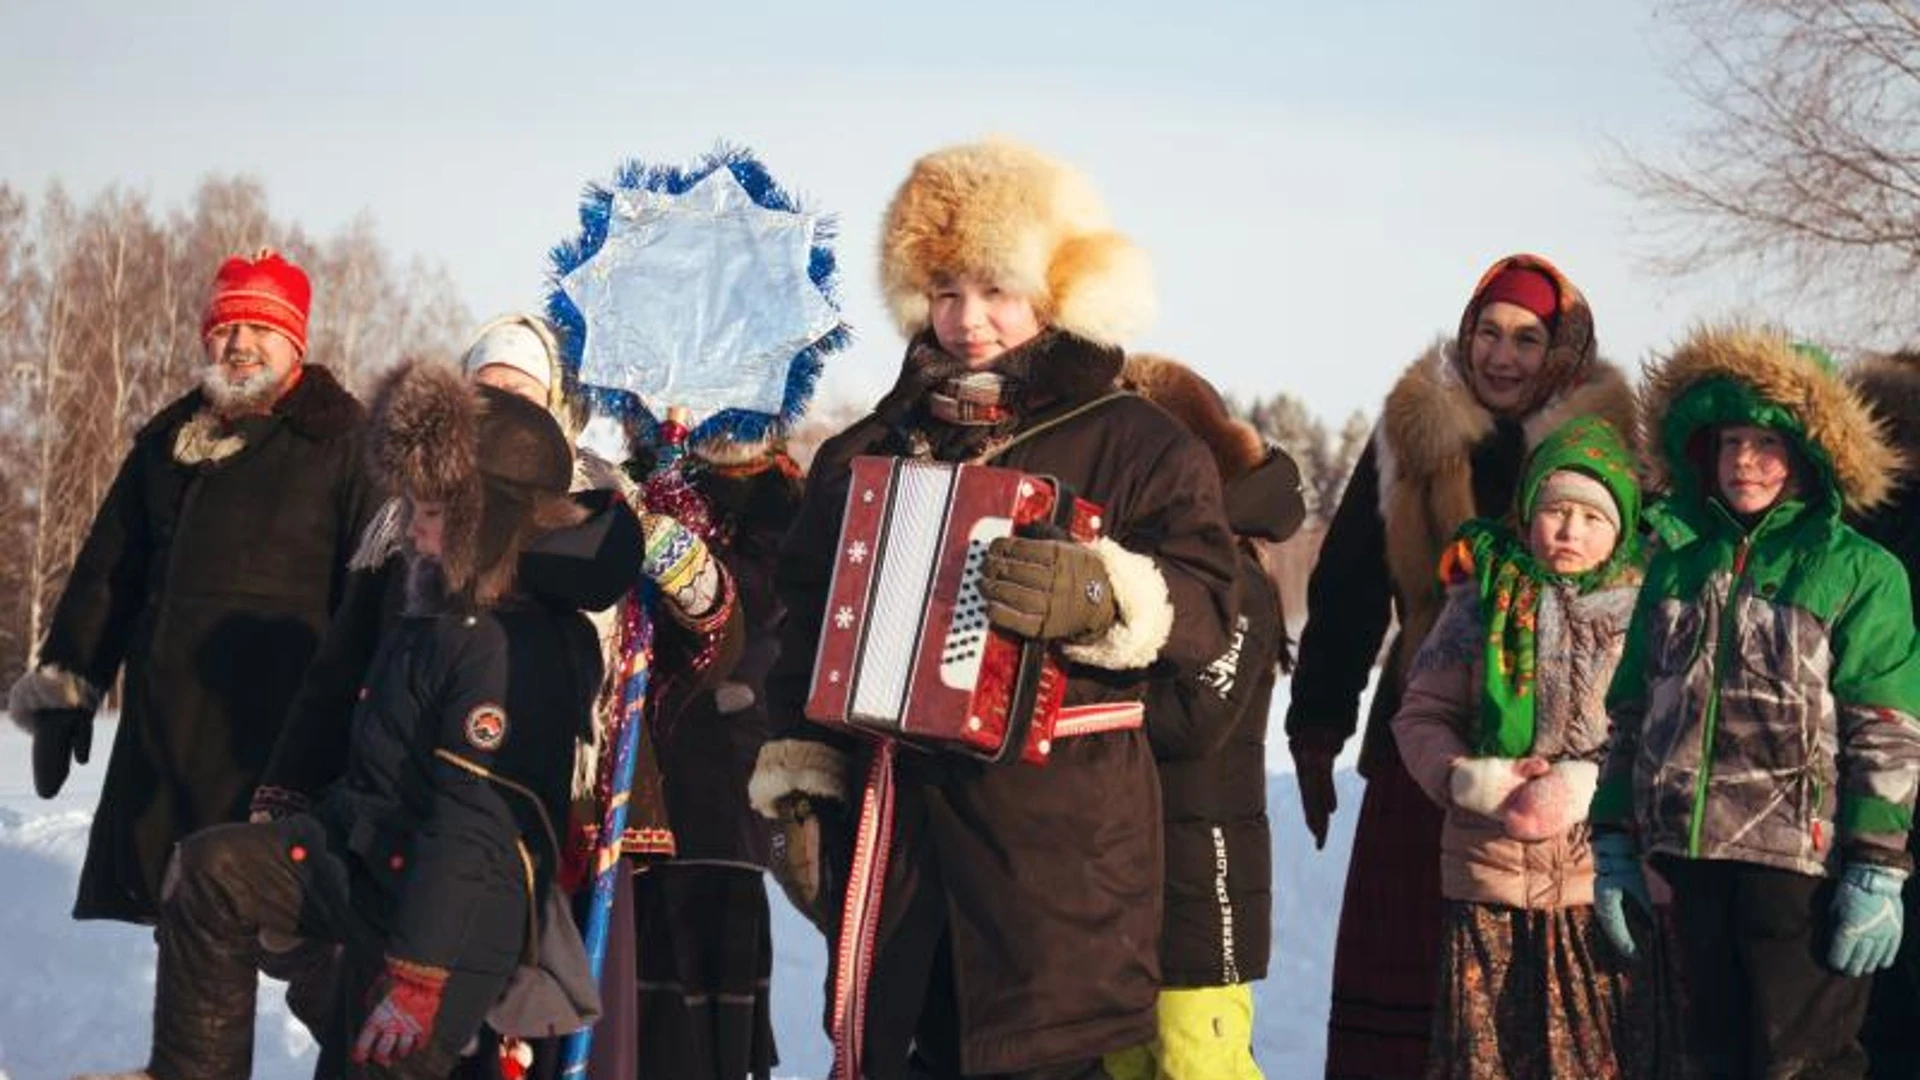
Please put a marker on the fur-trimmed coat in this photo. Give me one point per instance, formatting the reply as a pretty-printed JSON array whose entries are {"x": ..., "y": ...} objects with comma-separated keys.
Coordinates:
[
  {"x": 1437, "y": 458},
  {"x": 210, "y": 574},
  {"x": 1048, "y": 878}
]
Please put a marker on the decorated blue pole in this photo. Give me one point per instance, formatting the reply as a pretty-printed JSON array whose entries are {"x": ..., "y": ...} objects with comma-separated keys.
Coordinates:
[{"x": 635, "y": 666}]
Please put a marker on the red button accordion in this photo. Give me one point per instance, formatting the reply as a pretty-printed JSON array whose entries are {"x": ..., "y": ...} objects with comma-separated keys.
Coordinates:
[{"x": 906, "y": 650}]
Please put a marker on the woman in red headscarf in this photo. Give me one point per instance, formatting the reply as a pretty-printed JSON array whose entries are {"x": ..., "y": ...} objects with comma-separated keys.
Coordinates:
[{"x": 1452, "y": 437}]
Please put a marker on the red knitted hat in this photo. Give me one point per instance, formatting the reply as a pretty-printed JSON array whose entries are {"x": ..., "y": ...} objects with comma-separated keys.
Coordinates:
[
  {"x": 267, "y": 290},
  {"x": 1525, "y": 287}
]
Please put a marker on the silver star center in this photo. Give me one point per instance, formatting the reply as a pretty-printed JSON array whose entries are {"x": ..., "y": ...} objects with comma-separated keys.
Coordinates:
[{"x": 700, "y": 299}]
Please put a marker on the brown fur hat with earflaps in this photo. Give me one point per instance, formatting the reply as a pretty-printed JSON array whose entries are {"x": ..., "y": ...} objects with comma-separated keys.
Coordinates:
[
  {"x": 1001, "y": 212},
  {"x": 496, "y": 462},
  {"x": 1236, "y": 447}
]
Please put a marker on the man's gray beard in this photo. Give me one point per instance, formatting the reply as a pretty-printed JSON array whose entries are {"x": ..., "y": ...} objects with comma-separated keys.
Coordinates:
[{"x": 252, "y": 393}]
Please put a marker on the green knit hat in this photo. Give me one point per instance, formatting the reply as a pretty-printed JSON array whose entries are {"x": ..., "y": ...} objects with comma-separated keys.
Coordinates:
[{"x": 1590, "y": 446}]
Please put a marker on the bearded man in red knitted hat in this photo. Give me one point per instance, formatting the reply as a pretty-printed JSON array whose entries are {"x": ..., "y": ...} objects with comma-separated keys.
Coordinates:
[{"x": 208, "y": 576}]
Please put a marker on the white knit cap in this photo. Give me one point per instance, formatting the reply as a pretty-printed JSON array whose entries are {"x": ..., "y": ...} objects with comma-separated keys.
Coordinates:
[
  {"x": 1566, "y": 485},
  {"x": 512, "y": 341}
]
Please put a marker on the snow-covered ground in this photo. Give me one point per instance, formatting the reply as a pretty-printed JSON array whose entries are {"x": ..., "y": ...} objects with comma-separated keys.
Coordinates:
[{"x": 79, "y": 995}]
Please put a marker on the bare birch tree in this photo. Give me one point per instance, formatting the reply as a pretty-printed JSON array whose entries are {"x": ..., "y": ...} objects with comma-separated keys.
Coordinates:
[{"x": 1804, "y": 158}]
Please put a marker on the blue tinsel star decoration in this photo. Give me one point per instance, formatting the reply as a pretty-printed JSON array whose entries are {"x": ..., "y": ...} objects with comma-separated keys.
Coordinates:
[{"x": 705, "y": 287}]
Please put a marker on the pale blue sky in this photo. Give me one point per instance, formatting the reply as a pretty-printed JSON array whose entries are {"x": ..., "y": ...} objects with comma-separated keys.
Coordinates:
[{"x": 1318, "y": 184}]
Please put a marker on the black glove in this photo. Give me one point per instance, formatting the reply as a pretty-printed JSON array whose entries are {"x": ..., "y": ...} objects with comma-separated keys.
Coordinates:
[
  {"x": 812, "y": 853},
  {"x": 60, "y": 738},
  {"x": 1047, "y": 590}
]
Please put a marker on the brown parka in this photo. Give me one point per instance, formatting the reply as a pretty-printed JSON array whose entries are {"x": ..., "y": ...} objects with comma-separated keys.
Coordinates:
[{"x": 1050, "y": 877}]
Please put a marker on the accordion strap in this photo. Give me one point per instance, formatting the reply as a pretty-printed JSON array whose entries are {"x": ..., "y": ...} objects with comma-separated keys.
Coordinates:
[
  {"x": 1076, "y": 720},
  {"x": 1048, "y": 425}
]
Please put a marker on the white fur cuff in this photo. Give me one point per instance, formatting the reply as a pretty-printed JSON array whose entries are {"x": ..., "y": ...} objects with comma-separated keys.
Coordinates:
[
  {"x": 1146, "y": 612},
  {"x": 1582, "y": 779},
  {"x": 795, "y": 766},
  {"x": 1481, "y": 784},
  {"x": 49, "y": 687}
]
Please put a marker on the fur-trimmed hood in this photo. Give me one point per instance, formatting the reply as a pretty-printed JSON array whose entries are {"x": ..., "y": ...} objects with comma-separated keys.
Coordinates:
[
  {"x": 497, "y": 464},
  {"x": 1236, "y": 447},
  {"x": 1003, "y": 212},
  {"x": 1260, "y": 483},
  {"x": 1736, "y": 374}
]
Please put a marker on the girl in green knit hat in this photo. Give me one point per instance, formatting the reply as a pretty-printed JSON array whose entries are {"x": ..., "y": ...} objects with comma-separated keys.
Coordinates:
[{"x": 1503, "y": 725}]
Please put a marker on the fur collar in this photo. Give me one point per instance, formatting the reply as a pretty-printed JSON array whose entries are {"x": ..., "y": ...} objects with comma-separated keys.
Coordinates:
[
  {"x": 1836, "y": 417},
  {"x": 1431, "y": 421},
  {"x": 1423, "y": 451}
]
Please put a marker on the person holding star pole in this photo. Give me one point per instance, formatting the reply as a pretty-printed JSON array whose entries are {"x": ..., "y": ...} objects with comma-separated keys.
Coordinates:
[{"x": 702, "y": 295}]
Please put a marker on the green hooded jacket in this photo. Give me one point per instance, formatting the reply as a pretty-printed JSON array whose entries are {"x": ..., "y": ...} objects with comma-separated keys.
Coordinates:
[{"x": 1764, "y": 710}]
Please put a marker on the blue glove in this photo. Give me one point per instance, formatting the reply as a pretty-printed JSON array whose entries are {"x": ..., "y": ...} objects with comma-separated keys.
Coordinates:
[
  {"x": 1617, "y": 875},
  {"x": 1866, "y": 919}
]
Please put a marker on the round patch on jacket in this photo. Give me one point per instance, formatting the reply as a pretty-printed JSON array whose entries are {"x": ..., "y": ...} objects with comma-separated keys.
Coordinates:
[{"x": 487, "y": 727}]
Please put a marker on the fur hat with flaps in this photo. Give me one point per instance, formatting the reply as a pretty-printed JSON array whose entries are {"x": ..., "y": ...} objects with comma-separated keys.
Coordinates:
[
  {"x": 1744, "y": 376},
  {"x": 1003, "y": 213},
  {"x": 1570, "y": 342},
  {"x": 497, "y": 463}
]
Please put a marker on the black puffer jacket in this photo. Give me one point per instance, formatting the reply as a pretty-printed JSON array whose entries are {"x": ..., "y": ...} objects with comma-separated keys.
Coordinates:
[
  {"x": 458, "y": 775},
  {"x": 1209, "y": 736}
]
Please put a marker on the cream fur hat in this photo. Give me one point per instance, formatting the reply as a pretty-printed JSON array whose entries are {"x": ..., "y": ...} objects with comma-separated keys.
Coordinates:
[{"x": 1001, "y": 212}]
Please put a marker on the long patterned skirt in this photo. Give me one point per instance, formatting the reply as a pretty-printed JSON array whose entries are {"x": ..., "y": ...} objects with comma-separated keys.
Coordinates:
[{"x": 1540, "y": 995}]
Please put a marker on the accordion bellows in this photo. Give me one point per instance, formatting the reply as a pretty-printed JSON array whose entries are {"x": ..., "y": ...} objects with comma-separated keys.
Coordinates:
[{"x": 906, "y": 651}]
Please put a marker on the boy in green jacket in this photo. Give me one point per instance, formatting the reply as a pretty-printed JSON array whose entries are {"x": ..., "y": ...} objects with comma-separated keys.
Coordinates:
[{"x": 1764, "y": 750}]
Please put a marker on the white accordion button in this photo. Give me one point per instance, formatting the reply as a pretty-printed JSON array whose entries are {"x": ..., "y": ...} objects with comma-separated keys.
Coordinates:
[
  {"x": 1026, "y": 489},
  {"x": 1094, "y": 522},
  {"x": 974, "y": 724},
  {"x": 1045, "y": 746}
]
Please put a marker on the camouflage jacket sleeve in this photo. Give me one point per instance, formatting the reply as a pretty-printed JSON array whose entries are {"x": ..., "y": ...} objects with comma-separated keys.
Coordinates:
[
  {"x": 1876, "y": 691},
  {"x": 1626, "y": 712}
]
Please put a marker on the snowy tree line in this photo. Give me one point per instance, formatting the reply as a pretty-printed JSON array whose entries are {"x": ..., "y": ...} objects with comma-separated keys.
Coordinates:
[{"x": 100, "y": 304}]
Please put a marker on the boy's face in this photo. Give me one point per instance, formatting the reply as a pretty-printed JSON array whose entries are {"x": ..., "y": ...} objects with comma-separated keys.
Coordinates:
[
  {"x": 1571, "y": 537},
  {"x": 1755, "y": 468},
  {"x": 976, "y": 322},
  {"x": 426, "y": 528}
]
